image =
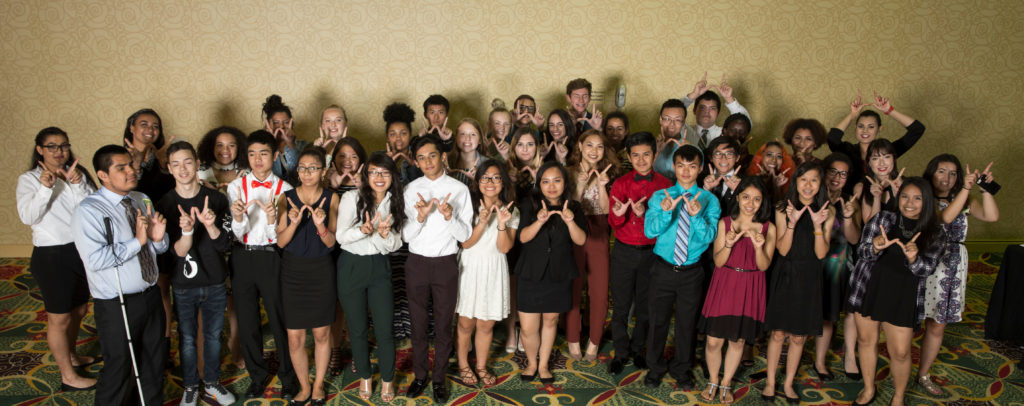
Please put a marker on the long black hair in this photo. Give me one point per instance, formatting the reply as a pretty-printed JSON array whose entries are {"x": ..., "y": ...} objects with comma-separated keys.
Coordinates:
[
  {"x": 208, "y": 144},
  {"x": 793, "y": 194},
  {"x": 933, "y": 166},
  {"x": 538, "y": 195},
  {"x": 159, "y": 143},
  {"x": 508, "y": 190},
  {"x": 763, "y": 213},
  {"x": 366, "y": 204},
  {"x": 36, "y": 157},
  {"x": 570, "y": 127},
  {"x": 927, "y": 221}
]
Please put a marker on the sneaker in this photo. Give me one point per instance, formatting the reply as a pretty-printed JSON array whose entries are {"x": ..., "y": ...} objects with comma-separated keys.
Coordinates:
[
  {"x": 219, "y": 393},
  {"x": 190, "y": 397}
]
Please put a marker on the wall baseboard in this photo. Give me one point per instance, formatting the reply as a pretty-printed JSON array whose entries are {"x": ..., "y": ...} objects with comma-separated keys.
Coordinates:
[
  {"x": 998, "y": 246},
  {"x": 15, "y": 250}
]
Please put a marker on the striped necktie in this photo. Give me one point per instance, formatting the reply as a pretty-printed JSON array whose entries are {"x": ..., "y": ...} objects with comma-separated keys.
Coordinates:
[
  {"x": 682, "y": 234},
  {"x": 703, "y": 143},
  {"x": 146, "y": 262}
]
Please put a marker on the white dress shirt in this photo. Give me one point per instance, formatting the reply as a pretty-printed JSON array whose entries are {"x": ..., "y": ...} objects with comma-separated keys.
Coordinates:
[
  {"x": 48, "y": 210},
  {"x": 101, "y": 260},
  {"x": 254, "y": 228},
  {"x": 714, "y": 131},
  {"x": 351, "y": 239},
  {"x": 435, "y": 237}
]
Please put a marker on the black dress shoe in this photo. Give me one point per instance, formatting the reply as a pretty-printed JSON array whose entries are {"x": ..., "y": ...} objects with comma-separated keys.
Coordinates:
[
  {"x": 294, "y": 402},
  {"x": 288, "y": 393},
  {"x": 640, "y": 362},
  {"x": 440, "y": 392},
  {"x": 652, "y": 382},
  {"x": 255, "y": 391},
  {"x": 68, "y": 388},
  {"x": 615, "y": 367},
  {"x": 824, "y": 376},
  {"x": 416, "y": 388},
  {"x": 856, "y": 376},
  {"x": 548, "y": 381},
  {"x": 768, "y": 398},
  {"x": 790, "y": 400},
  {"x": 528, "y": 378}
]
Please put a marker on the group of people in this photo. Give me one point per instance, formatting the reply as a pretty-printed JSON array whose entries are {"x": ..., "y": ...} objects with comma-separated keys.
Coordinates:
[{"x": 449, "y": 230}]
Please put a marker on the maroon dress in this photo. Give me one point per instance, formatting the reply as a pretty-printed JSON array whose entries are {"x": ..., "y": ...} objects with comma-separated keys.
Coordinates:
[{"x": 735, "y": 306}]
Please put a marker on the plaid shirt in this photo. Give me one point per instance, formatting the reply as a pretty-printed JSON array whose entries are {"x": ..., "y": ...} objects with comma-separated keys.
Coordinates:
[{"x": 922, "y": 267}]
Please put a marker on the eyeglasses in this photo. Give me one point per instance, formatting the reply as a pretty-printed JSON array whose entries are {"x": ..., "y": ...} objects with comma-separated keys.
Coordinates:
[
  {"x": 529, "y": 109},
  {"x": 378, "y": 174},
  {"x": 671, "y": 120},
  {"x": 720, "y": 154},
  {"x": 491, "y": 179},
  {"x": 309, "y": 169},
  {"x": 836, "y": 172},
  {"x": 54, "y": 147}
]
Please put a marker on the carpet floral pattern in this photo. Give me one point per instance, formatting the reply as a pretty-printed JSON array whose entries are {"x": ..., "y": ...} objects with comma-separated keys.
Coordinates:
[{"x": 972, "y": 370}]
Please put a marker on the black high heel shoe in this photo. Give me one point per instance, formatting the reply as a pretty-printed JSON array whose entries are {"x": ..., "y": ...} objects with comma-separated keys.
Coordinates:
[{"x": 856, "y": 376}]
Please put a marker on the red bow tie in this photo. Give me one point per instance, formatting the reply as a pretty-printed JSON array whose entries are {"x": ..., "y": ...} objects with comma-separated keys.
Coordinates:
[{"x": 266, "y": 184}]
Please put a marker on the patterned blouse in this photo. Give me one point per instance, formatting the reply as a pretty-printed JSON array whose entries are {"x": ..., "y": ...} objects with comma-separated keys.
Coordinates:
[{"x": 922, "y": 267}]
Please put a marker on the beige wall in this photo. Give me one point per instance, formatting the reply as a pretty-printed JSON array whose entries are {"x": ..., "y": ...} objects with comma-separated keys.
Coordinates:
[{"x": 85, "y": 65}]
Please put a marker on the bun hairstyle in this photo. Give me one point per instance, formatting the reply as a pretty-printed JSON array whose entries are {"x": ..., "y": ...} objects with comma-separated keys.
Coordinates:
[
  {"x": 399, "y": 113},
  {"x": 274, "y": 105},
  {"x": 497, "y": 103}
]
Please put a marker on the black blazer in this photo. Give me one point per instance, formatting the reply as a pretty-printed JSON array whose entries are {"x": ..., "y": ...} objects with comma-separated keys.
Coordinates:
[{"x": 548, "y": 256}]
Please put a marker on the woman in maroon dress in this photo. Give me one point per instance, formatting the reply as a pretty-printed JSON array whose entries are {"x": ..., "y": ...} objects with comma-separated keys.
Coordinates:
[{"x": 735, "y": 305}]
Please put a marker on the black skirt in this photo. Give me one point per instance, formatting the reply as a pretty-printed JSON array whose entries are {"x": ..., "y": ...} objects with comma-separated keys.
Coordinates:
[
  {"x": 891, "y": 293},
  {"x": 543, "y": 296},
  {"x": 60, "y": 274},
  {"x": 308, "y": 291}
]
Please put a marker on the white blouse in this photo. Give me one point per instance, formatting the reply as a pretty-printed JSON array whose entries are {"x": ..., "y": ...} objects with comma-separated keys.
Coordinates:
[
  {"x": 48, "y": 210},
  {"x": 352, "y": 239}
]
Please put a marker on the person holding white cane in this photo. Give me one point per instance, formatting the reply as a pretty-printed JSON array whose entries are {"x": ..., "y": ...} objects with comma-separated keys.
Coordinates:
[{"x": 118, "y": 235}]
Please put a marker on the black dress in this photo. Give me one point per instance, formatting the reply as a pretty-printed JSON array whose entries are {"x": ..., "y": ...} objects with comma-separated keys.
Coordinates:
[
  {"x": 308, "y": 287},
  {"x": 545, "y": 268},
  {"x": 794, "y": 301},
  {"x": 891, "y": 293}
]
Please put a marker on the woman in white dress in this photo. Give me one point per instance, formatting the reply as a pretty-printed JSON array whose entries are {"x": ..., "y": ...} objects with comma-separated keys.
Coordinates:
[
  {"x": 945, "y": 289},
  {"x": 483, "y": 268}
]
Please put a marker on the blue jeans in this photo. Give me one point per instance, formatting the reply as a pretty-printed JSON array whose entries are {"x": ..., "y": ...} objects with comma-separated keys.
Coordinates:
[{"x": 211, "y": 300}]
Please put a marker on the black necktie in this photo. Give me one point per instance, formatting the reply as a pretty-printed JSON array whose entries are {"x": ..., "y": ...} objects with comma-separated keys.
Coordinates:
[
  {"x": 703, "y": 143},
  {"x": 146, "y": 262}
]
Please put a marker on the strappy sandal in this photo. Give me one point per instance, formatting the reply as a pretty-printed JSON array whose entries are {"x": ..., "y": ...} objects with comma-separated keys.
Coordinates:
[
  {"x": 335, "y": 365},
  {"x": 365, "y": 388},
  {"x": 725, "y": 390},
  {"x": 485, "y": 377},
  {"x": 467, "y": 376},
  {"x": 709, "y": 391},
  {"x": 929, "y": 385},
  {"x": 387, "y": 392}
]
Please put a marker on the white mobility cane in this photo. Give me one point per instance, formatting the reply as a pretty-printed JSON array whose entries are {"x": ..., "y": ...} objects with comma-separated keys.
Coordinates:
[{"x": 124, "y": 311}]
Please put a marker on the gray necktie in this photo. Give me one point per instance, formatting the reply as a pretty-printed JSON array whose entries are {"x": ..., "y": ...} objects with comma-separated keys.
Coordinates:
[
  {"x": 146, "y": 262},
  {"x": 703, "y": 143}
]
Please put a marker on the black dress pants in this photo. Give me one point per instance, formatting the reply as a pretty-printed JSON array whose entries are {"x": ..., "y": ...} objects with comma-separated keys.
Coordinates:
[
  {"x": 257, "y": 274},
  {"x": 629, "y": 276},
  {"x": 116, "y": 383},
  {"x": 678, "y": 288}
]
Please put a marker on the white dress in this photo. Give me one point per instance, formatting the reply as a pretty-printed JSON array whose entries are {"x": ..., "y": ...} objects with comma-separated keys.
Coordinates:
[
  {"x": 945, "y": 290},
  {"x": 483, "y": 276}
]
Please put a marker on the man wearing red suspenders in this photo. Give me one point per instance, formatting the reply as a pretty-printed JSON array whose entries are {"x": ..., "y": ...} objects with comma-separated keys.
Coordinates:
[{"x": 256, "y": 264}]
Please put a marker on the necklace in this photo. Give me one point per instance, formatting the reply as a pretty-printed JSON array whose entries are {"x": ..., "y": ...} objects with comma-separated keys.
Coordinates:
[
  {"x": 224, "y": 168},
  {"x": 904, "y": 232}
]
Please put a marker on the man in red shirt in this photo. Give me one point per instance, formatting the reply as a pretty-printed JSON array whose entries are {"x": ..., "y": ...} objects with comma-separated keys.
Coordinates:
[{"x": 633, "y": 256}]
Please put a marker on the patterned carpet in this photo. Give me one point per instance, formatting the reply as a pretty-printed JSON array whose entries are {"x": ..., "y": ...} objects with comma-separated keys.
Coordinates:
[{"x": 972, "y": 370}]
